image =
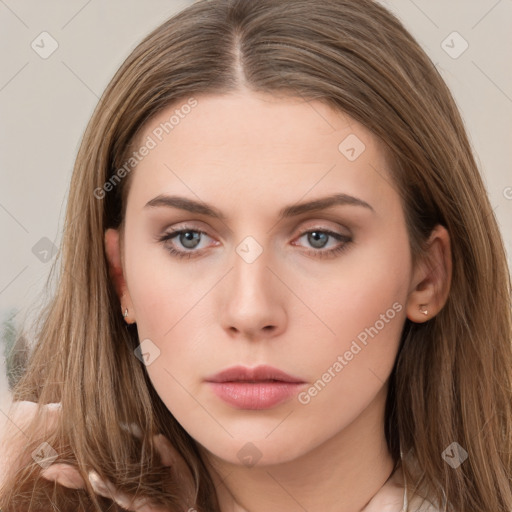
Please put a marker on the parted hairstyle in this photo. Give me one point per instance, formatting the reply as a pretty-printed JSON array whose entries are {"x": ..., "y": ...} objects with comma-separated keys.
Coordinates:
[{"x": 452, "y": 377}]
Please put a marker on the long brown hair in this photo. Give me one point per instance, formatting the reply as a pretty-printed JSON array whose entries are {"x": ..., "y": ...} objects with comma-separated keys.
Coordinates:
[{"x": 452, "y": 377}]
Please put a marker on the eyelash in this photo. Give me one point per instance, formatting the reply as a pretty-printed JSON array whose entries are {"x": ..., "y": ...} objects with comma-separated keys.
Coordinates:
[{"x": 318, "y": 253}]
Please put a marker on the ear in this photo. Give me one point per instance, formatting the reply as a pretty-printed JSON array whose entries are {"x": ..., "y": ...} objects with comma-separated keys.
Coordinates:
[
  {"x": 431, "y": 280},
  {"x": 113, "y": 252}
]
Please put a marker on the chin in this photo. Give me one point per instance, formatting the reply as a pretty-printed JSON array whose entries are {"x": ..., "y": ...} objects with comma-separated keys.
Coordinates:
[{"x": 258, "y": 452}]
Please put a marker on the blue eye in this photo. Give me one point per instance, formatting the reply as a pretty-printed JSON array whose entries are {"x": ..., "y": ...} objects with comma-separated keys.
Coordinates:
[
  {"x": 190, "y": 239},
  {"x": 318, "y": 238}
]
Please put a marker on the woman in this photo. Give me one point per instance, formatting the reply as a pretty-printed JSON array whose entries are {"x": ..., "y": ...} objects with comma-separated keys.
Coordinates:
[{"x": 282, "y": 282}]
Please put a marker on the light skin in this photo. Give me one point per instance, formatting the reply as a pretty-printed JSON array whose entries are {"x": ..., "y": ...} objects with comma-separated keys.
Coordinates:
[{"x": 248, "y": 156}]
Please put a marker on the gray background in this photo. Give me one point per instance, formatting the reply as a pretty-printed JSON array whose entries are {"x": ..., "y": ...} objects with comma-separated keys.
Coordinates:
[{"x": 45, "y": 104}]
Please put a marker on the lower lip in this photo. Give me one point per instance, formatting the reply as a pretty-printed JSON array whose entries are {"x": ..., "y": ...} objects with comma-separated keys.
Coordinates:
[{"x": 255, "y": 395}]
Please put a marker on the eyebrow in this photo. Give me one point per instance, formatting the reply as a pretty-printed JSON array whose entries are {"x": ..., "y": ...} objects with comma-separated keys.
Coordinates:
[{"x": 322, "y": 203}]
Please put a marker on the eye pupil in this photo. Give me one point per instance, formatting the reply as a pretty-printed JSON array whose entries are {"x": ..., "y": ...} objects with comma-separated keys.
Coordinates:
[
  {"x": 190, "y": 236},
  {"x": 316, "y": 237}
]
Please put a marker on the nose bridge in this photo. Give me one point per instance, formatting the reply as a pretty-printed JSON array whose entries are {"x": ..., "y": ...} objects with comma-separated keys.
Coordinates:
[
  {"x": 251, "y": 276},
  {"x": 252, "y": 301}
]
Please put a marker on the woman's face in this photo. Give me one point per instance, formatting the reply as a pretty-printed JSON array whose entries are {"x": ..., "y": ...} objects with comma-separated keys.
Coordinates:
[{"x": 259, "y": 276}]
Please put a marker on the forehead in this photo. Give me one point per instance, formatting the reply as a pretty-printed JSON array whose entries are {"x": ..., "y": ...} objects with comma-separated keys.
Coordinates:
[{"x": 253, "y": 144}]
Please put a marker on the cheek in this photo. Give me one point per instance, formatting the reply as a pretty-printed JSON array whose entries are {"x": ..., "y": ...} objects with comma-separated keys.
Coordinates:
[
  {"x": 161, "y": 294},
  {"x": 364, "y": 308},
  {"x": 168, "y": 308},
  {"x": 370, "y": 288},
  {"x": 349, "y": 369}
]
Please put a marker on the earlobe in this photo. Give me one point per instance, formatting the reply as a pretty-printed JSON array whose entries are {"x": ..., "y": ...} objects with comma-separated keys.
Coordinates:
[
  {"x": 431, "y": 278},
  {"x": 113, "y": 252}
]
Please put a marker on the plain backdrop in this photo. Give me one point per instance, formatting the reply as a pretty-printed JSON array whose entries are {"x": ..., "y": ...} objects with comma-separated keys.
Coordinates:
[{"x": 47, "y": 100}]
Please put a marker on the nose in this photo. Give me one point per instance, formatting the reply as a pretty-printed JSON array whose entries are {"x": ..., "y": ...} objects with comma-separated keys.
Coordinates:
[{"x": 253, "y": 300}]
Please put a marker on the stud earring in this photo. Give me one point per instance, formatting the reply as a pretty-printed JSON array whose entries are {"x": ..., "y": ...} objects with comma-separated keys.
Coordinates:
[
  {"x": 425, "y": 312},
  {"x": 125, "y": 316}
]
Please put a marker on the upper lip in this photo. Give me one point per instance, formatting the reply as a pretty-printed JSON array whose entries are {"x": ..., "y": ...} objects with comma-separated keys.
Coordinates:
[{"x": 256, "y": 374}]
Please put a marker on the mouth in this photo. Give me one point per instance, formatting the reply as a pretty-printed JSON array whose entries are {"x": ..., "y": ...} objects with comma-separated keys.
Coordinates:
[
  {"x": 263, "y": 373},
  {"x": 257, "y": 388}
]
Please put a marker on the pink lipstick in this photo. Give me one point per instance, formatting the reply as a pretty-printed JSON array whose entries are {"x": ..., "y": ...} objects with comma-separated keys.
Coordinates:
[{"x": 261, "y": 387}]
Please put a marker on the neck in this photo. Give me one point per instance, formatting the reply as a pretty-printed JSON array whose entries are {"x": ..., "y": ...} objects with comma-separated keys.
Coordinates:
[{"x": 342, "y": 474}]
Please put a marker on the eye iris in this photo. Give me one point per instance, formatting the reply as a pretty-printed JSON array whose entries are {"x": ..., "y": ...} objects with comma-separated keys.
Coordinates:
[
  {"x": 317, "y": 236},
  {"x": 190, "y": 237}
]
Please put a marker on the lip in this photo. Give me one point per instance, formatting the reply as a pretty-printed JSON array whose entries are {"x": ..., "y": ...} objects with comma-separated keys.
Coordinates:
[
  {"x": 256, "y": 388},
  {"x": 260, "y": 373}
]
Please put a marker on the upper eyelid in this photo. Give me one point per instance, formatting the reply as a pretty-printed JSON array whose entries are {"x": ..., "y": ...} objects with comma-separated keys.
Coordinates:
[
  {"x": 301, "y": 232},
  {"x": 190, "y": 225}
]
